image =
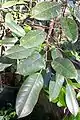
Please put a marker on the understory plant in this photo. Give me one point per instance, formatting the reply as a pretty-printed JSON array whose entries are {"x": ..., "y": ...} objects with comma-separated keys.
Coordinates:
[
  {"x": 8, "y": 114},
  {"x": 44, "y": 45}
]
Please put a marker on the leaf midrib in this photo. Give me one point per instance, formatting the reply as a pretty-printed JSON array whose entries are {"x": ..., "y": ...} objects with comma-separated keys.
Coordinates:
[{"x": 29, "y": 94}]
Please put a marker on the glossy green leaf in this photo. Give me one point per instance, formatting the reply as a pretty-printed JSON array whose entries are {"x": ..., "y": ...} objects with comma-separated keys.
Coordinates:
[
  {"x": 71, "y": 101},
  {"x": 3, "y": 66},
  {"x": 18, "y": 52},
  {"x": 55, "y": 53},
  {"x": 30, "y": 65},
  {"x": 11, "y": 24},
  {"x": 28, "y": 94},
  {"x": 70, "y": 29},
  {"x": 33, "y": 38},
  {"x": 46, "y": 10},
  {"x": 65, "y": 67},
  {"x": 55, "y": 87}
]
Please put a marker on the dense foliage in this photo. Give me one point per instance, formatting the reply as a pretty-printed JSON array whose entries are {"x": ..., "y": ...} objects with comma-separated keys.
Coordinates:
[{"x": 43, "y": 41}]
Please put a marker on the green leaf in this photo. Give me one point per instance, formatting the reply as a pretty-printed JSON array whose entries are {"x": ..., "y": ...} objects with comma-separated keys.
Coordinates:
[
  {"x": 62, "y": 97},
  {"x": 55, "y": 53},
  {"x": 1, "y": 117},
  {"x": 72, "y": 117},
  {"x": 11, "y": 3},
  {"x": 33, "y": 38},
  {"x": 15, "y": 28},
  {"x": 70, "y": 29},
  {"x": 18, "y": 52},
  {"x": 65, "y": 67},
  {"x": 8, "y": 41},
  {"x": 46, "y": 10},
  {"x": 28, "y": 94},
  {"x": 30, "y": 65},
  {"x": 55, "y": 87},
  {"x": 27, "y": 28},
  {"x": 3, "y": 66},
  {"x": 71, "y": 100},
  {"x": 78, "y": 95},
  {"x": 76, "y": 85},
  {"x": 78, "y": 79}
]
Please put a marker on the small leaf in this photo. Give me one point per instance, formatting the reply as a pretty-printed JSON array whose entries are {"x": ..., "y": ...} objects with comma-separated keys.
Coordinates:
[
  {"x": 30, "y": 65},
  {"x": 15, "y": 28},
  {"x": 33, "y": 39},
  {"x": 55, "y": 87},
  {"x": 46, "y": 10},
  {"x": 65, "y": 67},
  {"x": 70, "y": 29},
  {"x": 3, "y": 66},
  {"x": 55, "y": 53},
  {"x": 27, "y": 28},
  {"x": 71, "y": 100},
  {"x": 18, "y": 52},
  {"x": 28, "y": 94}
]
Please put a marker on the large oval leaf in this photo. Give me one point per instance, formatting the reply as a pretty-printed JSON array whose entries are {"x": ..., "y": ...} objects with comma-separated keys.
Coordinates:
[
  {"x": 28, "y": 94},
  {"x": 55, "y": 87},
  {"x": 70, "y": 29},
  {"x": 71, "y": 100},
  {"x": 15, "y": 28},
  {"x": 33, "y": 38},
  {"x": 30, "y": 65},
  {"x": 46, "y": 10},
  {"x": 65, "y": 67},
  {"x": 18, "y": 52}
]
